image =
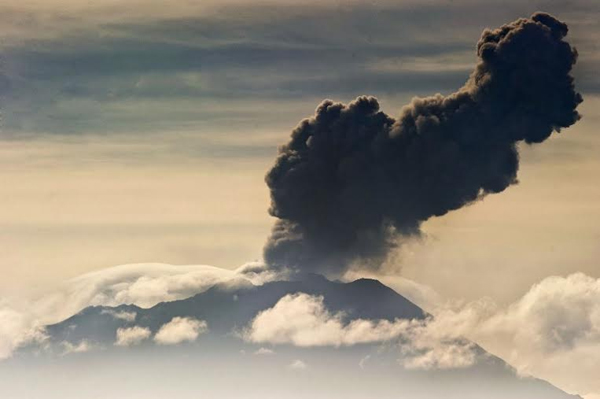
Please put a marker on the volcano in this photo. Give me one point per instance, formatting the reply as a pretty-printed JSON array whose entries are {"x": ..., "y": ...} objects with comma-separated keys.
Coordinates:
[{"x": 220, "y": 364}]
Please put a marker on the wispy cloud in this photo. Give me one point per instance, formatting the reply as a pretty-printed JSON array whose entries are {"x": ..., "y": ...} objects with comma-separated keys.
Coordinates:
[
  {"x": 264, "y": 352},
  {"x": 78, "y": 347},
  {"x": 121, "y": 315},
  {"x": 298, "y": 365}
]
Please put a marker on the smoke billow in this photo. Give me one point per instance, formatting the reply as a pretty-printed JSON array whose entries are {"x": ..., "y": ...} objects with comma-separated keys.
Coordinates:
[{"x": 352, "y": 179}]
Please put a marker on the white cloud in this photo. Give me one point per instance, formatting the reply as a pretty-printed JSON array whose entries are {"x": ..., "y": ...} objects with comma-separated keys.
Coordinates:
[
  {"x": 425, "y": 354},
  {"x": 180, "y": 329},
  {"x": 80, "y": 347},
  {"x": 259, "y": 273},
  {"x": 17, "y": 328},
  {"x": 144, "y": 284},
  {"x": 552, "y": 332},
  {"x": 302, "y": 320},
  {"x": 132, "y": 335},
  {"x": 298, "y": 365},
  {"x": 121, "y": 315},
  {"x": 264, "y": 351}
]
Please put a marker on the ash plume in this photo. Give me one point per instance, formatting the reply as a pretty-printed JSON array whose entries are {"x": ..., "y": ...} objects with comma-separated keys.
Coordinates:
[{"x": 352, "y": 180}]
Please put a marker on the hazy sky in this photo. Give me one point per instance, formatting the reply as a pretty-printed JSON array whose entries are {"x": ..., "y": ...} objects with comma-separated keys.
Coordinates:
[{"x": 142, "y": 133}]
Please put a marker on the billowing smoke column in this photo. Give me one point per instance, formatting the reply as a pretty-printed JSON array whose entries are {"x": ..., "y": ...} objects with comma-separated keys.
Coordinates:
[{"x": 352, "y": 180}]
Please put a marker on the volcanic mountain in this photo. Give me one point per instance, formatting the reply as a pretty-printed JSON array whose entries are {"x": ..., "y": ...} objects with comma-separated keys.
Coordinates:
[{"x": 220, "y": 363}]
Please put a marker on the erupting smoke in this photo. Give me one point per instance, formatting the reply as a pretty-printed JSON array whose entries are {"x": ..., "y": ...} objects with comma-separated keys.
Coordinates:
[{"x": 352, "y": 179}]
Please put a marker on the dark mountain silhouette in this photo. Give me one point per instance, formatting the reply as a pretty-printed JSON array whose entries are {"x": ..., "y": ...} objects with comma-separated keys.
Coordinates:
[{"x": 225, "y": 309}]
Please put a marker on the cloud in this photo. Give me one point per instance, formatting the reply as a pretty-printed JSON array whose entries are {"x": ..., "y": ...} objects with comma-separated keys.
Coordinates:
[
  {"x": 302, "y": 320},
  {"x": 139, "y": 62},
  {"x": 180, "y": 329},
  {"x": 421, "y": 353},
  {"x": 121, "y": 315},
  {"x": 17, "y": 328},
  {"x": 264, "y": 351},
  {"x": 552, "y": 332},
  {"x": 80, "y": 347},
  {"x": 298, "y": 365},
  {"x": 132, "y": 335},
  {"x": 144, "y": 284}
]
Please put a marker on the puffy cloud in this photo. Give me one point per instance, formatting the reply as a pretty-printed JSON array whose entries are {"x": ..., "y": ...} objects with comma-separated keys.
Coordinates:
[
  {"x": 298, "y": 365},
  {"x": 132, "y": 335},
  {"x": 180, "y": 329},
  {"x": 552, "y": 332},
  {"x": 302, "y": 320},
  {"x": 17, "y": 328}
]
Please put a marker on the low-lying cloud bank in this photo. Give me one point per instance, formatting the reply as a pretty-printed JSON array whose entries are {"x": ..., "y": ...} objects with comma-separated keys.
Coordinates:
[
  {"x": 141, "y": 284},
  {"x": 552, "y": 332}
]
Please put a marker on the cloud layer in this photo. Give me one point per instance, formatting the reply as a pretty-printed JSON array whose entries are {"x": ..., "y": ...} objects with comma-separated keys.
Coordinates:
[
  {"x": 551, "y": 332},
  {"x": 140, "y": 284}
]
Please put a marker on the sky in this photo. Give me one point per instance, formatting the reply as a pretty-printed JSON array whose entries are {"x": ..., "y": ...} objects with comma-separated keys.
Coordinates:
[{"x": 141, "y": 132}]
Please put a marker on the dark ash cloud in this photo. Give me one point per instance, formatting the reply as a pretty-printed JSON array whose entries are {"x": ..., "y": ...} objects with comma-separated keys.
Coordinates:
[{"x": 352, "y": 179}]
